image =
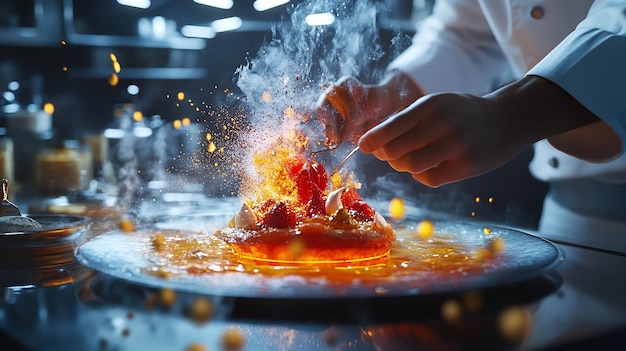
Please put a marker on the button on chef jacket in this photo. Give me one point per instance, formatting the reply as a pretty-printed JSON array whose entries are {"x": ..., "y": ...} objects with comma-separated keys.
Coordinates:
[{"x": 472, "y": 46}]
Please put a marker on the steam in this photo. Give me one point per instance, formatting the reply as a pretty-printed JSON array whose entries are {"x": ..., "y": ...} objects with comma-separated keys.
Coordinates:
[
  {"x": 294, "y": 67},
  {"x": 283, "y": 83}
]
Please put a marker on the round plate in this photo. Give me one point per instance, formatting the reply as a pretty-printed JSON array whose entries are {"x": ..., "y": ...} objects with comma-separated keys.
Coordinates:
[{"x": 459, "y": 256}]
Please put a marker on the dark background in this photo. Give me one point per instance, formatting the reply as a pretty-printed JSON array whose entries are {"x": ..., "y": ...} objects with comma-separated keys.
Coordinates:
[{"x": 66, "y": 45}]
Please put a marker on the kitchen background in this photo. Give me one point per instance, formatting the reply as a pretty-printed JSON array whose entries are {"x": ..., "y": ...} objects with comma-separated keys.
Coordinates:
[{"x": 70, "y": 68}]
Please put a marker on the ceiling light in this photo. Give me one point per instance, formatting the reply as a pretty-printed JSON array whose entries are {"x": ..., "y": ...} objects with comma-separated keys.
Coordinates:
[
  {"x": 263, "y": 5},
  {"x": 198, "y": 31},
  {"x": 320, "y": 19},
  {"x": 226, "y": 24},
  {"x": 220, "y": 4},
  {"x": 140, "y": 4}
]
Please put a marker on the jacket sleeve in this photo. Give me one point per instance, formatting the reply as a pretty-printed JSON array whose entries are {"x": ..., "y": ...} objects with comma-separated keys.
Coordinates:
[
  {"x": 590, "y": 64},
  {"x": 454, "y": 50}
]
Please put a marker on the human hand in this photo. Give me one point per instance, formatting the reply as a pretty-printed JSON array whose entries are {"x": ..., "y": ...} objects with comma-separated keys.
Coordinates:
[
  {"x": 445, "y": 138},
  {"x": 340, "y": 109},
  {"x": 349, "y": 108}
]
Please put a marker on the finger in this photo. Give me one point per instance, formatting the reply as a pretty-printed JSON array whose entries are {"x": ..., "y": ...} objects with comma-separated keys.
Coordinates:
[
  {"x": 423, "y": 159},
  {"x": 445, "y": 173},
  {"x": 413, "y": 140},
  {"x": 388, "y": 130}
]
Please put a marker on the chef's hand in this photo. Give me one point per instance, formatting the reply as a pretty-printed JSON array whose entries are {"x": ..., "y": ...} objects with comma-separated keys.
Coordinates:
[
  {"x": 449, "y": 137},
  {"x": 348, "y": 108}
]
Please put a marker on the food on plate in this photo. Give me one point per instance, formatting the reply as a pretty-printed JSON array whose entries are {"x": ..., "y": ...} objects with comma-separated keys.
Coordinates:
[{"x": 294, "y": 213}]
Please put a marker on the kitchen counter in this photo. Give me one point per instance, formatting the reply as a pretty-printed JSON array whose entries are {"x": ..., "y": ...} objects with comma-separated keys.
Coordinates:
[{"x": 579, "y": 305}]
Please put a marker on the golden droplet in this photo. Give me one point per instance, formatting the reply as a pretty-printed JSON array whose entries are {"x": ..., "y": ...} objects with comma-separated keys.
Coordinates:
[
  {"x": 137, "y": 116},
  {"x": 113, "y": 57},
  {"x": 232, "y": 340},
  {"x": 113, "y": 79},
  {"x": 477, "y": 199},
  {"x": 481, "y": 254},
  {"x": 487, "y": 230},
  {"x": 451, "y": 311},
  {"x": 211, "y": 147},
  {"x": 63, "y": 42},
  {"x": 196, "y": 346},
  {"x": 48, "y": 108},
  {"x": 425, "y": 229},
  {"x": 126, "y": 225},
  {"x": 514, "y": 323},
  {"x": 201, "y": 310},
  {"x": 396, "y": 208},
  {"x": 64, "y": 68},
  {"x": 495, "y": 245},
  {"x": 186, "y": 121},
  {"x": 177, "y": 124},
  {"x": 117, "y": 67},
  {"x": 167, "y": 297},
  {"x": 208, "y": 136},
  {"x": 180, "y": 96}
]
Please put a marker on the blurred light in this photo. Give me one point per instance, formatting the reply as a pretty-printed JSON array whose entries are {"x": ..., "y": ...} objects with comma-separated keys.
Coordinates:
[
  {"x": 220, "y": 4},
  {"x": 8, "y": 96},
  {"x": 142, "y": 132},
  {"x": 144, "y": 27},
  {"x": 140, "y": 4},
  {"x": 320, "y": 19},
  {"x": 159, "y": 27},
  {"x": 226, "y": 24},
  {"x": 263, "y": 5},
  {"x": 48, "y": 108},
  {"x": 11, "y": 108},
  {"x": 132, "y": 89},
  {"x": 113, "y": 79},
  {"x": 198, "y": 31},
  {"x": 113, "y": 133},
  {"x": 137, "y": 116},
  {"x": 14, "y": 85}
]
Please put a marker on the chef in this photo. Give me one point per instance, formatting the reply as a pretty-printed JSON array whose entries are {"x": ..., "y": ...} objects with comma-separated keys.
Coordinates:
[{"x": 482, "y": 81}]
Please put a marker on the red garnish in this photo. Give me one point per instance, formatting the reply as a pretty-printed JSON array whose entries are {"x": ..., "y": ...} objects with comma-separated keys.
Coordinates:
[
  {"x": 311, "y": 177},
  {"x": 316, "y": 205},
  {"x": 279, "y": 216},
  {"x": 361, "y": 211},
  {"x": 353, "y": 202},
  {"x": 348, "y": 196},
  {"x": 294, "y": 167}
]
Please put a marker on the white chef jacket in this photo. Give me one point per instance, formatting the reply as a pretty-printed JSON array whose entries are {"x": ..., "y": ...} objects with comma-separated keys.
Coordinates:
[{"x": 472, "y": 46}]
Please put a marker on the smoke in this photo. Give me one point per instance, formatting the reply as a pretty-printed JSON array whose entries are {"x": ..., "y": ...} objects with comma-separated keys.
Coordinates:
[
  {"x": 292, "y": 70},
  {"x": 284, "y": 81},
  {"x": 300, "y": 59}
]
